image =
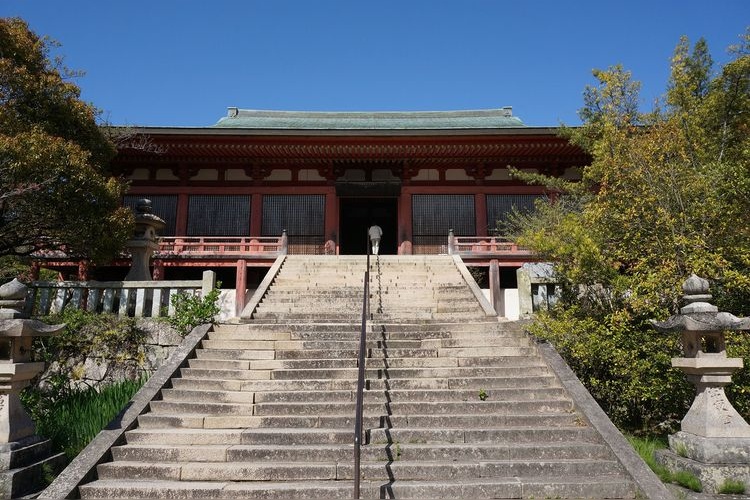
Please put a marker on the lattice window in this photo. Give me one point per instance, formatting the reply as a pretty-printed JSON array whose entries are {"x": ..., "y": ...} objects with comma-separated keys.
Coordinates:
[
  {"x": 218, "y": 215},
  {"x": 164, "y": 206},
  {"x": 303, "y": 217},
  {"x": 434, "y": 214},
  {"x": 500, "y": 206}
]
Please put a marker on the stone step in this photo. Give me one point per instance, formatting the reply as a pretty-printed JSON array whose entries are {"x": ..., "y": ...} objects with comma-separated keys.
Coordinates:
[
  {"x": 527, "y": 487},
  {"x": 310, "y": 396},
  {"x": 549, "y": 405},
  {"x": 518, "y": 380},
  {"x": 225, "y": 360},
  {"x": 505, "y": 435},
  {"x": 202, "y": 407},
  {"x": 401, "y": 335},
  {"x": 373, "y": 453},
  {"x": 372, "y": 373},
  {"x": 254, "y": 436},
  {"x": 331, "y": 470},
  {"x": 584, "y": 486},
  {"x": 260, "y": 313},
  {"x": 153, "y": 421},
  {"x": 248, "y": 334}
]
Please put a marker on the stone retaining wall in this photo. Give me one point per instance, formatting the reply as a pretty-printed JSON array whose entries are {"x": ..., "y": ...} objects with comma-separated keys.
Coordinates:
[{"x": 160, "y": 340}]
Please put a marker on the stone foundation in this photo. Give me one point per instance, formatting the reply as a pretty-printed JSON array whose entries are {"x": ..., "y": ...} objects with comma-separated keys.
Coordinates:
[{"x": 712, "y": 476}]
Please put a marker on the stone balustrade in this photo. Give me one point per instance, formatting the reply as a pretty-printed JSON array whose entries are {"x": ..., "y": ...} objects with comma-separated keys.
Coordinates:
[{"x": 124, "y": 298}]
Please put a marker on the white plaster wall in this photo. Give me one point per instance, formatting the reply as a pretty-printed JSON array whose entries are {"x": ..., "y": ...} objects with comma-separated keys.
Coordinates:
[
  {"x": 206, "y": 174},
  {"x": 140, "y": 174},
  {"x": 511, "y": 303},
  {"x": 226, "y": 304},
  {"x": 427, "y": 174},
  {"x": 279, "y": 174},
  {"x": 309, "y": 175},
  {"x": 166, "y": 174},
  {"x": 236, "y": 174},
  {"x": 456, "y": 174}
]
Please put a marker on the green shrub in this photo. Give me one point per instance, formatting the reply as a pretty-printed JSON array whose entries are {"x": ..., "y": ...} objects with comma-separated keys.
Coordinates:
[
  {"x": 193, "y": 310},
  {"x": 625, "y": 364},
  {"x": 72, "y": 420}
]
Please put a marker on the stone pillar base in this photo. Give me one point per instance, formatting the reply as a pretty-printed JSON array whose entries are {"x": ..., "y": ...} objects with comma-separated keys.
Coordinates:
[
  {"x": 24, "y": 464},
  {"x": 712, "y": 476},
  {"x": 711, "y": 450}
]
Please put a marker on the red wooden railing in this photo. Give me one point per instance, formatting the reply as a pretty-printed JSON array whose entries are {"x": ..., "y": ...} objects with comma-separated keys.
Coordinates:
[
  {"x": 259, "y": 246},
  {"x": 484, "y": 246}
]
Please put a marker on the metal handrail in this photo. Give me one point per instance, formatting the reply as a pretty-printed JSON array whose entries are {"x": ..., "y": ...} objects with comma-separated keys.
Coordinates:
[{"x": 361, "y": 374}]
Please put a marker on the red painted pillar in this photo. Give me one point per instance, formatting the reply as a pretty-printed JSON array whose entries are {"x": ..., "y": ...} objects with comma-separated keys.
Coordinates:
[
  {"x": 158, "y": 273},
  {"x": 84, "y": 266},
  {"x": 480, "y": 209},
  {"x": 404, "y": 222},
  {"x": 332, "y": 218},
  {"x": 240, "y": 286},
  {"x": 256, "y": 215},
  {"x": 182, "y": 215},
  {"x": 36, "y": 266}
]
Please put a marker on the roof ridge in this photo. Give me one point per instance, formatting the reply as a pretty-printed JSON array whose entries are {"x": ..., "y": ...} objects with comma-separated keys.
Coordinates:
[{"x": 375, "y": 120}]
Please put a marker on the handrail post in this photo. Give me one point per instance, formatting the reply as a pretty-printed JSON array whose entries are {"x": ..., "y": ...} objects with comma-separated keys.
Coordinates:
[
  {"x": 361, "y": 374},
  {"x": 451, "y": 242},
  {"x": 283, "y": 243}
]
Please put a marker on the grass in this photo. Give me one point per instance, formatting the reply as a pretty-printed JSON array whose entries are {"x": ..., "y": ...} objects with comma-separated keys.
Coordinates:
[
  {"x": 732, "y": 487},
  {"x": 72, "y": 421},
  {"x": 645, "y": 447}
]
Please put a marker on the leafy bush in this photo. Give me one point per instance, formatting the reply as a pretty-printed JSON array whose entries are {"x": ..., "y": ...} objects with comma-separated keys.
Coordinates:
[
  {"x": 193, "y": 310},
  {"x": 626, "y": 366},
  {"x": 72, "y": 420},
  {"x": 664, "y": 196}
]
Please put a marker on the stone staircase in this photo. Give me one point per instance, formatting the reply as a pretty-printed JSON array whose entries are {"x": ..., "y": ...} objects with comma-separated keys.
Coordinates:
[{"x": 457, "y": 405}]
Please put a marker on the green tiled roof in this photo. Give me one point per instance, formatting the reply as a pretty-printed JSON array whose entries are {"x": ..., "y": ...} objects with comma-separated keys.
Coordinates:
[{"x": 370, "y": 120}]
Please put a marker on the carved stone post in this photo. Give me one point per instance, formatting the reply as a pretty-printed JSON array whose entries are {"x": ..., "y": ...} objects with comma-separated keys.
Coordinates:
[
  {"x": 714, "y": 440},
  {"x": 144, "y": 241},
  {"x": 23, "y": 455}
]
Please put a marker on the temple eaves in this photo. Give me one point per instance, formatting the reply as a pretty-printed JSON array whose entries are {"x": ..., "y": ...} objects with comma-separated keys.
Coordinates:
[{"x": 370, "y": 120}]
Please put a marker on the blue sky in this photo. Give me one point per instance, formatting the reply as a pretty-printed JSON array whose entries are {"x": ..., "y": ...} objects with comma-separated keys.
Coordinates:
[{"x": 182, "y": 63}]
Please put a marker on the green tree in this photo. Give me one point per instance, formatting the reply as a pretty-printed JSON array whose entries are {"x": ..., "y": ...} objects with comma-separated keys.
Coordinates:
[
  {"x": 665, "y": 196},
  {"x": 54, "y": 189}
]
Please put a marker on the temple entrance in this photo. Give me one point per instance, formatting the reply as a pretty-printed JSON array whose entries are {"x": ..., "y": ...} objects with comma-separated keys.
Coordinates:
[{"x": 357, "y": 214}]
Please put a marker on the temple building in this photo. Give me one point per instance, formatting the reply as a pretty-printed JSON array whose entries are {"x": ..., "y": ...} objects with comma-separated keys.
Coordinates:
[{"x": 228, "y": 192}]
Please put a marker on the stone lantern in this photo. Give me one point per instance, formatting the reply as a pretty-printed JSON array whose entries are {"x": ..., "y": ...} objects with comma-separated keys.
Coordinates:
[
  {"x": 714, "y": 440},
  {"x": 22, "y": 453},
  {"x": 144, "y": 241}
]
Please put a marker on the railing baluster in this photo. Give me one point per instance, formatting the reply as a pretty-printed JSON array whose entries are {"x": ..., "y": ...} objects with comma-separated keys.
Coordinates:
[
  {"x": 109, "y": 300},
  {"x": 59, "y": 303},
  {"x": 93, "y": 302},
  {"x": 124, "y": 299},
  {"x": 44, "y": 301},
  {"x": 140, "y": 302},
  {"x": 156, "y": 303}
]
